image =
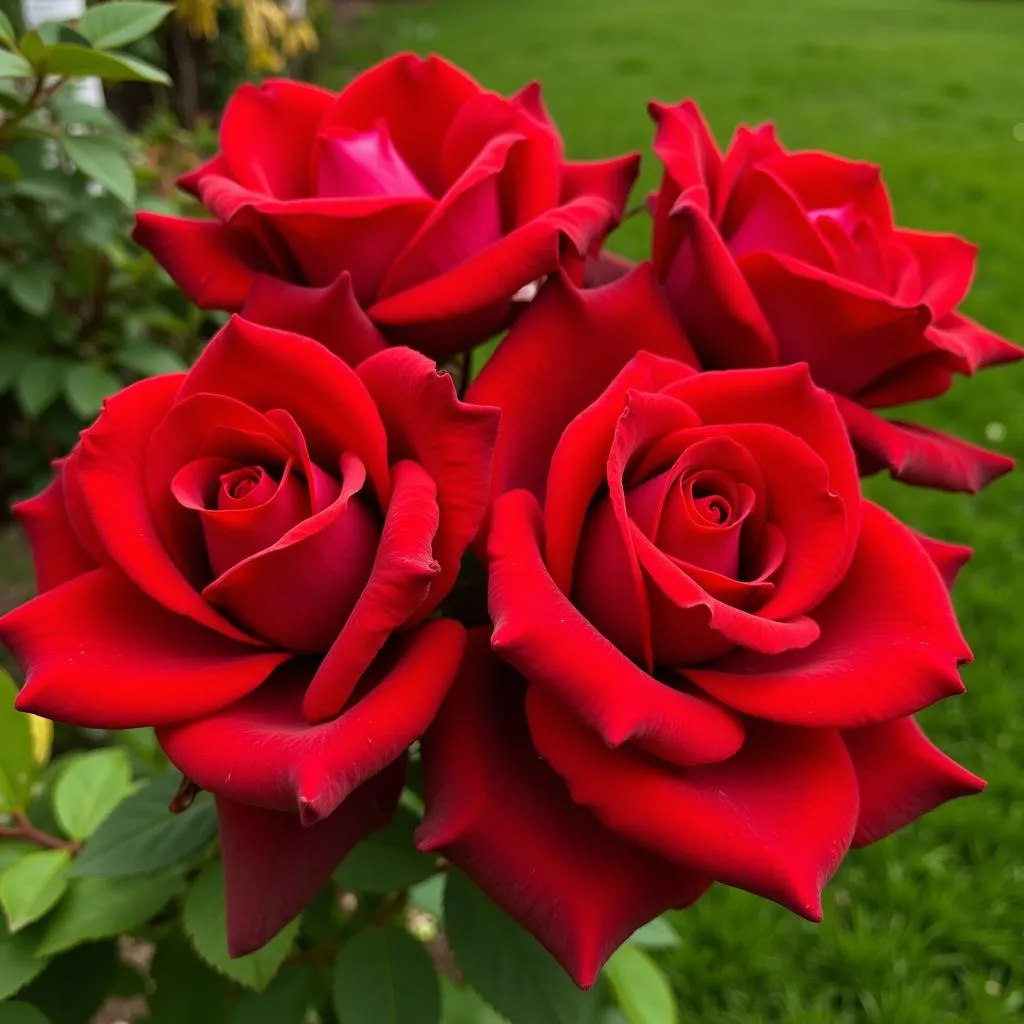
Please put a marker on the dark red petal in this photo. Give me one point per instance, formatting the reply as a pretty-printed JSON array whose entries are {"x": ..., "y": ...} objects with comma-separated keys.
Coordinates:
[
  {"x": 605, "y": 268},
  {"x": 946, "y": 266},
  {"x": 57, "y": 553},
  {"x": 416, "y": 98},
  {"x": 889, "y": 644},
  {"x": 110, "y": 466},
  {"x": 330, "y": 314},
  {"x": 452, "y": 440},
  {"x": 267, "y": 133},
  {"x": 919, "y": 455},
  {"x": 612, "y": 180},
  {"x": 581, "y": 889},
  {"x": 775, "y": 819},
  {"x": 269, "y": 369},
  {"x": 980, "y": 346},
  {"x": 562, "y": 353},
  {"x": 274, "y": 865},
  {"x": 901, "y": 775},
  {"x": 538, "y": 631},
  {"x": 684, "y": 144},
  {"x": 949, "y": 559},
  {"x": 99, "y": 653},
  {"x": 310, "y": 769},
  {"x": 403, "y": 572},
  {"x": 213, "y": 265}
]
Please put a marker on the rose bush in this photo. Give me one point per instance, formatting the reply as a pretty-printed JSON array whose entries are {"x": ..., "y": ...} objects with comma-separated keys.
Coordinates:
[
  {"x": 248, "y": 556},
  {"x": 714, "y": 643},
  {"x": 415, "y": 193},
  {"x": 773, "y": 257}
]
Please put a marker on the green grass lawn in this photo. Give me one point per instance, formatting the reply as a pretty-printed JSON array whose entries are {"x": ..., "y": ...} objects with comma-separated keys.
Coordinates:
[{"x": 927, "y": 927}]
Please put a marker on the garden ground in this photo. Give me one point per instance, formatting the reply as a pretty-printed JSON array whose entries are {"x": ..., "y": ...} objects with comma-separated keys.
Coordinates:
[{"x": 924, "y": 928}]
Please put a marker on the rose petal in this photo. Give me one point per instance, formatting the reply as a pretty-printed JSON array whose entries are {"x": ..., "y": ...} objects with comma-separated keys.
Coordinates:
[
  {"x": 946, "y": 267},
  {"x": 949, "y": 559},
  {"x": 100, "y": 654},
  {"x": 581, "y": 889},
  {"x": 889, "y": 644},
  {"x": 901, "y": 775},
  {"x": 538, "y": 631},
  {"x": 311, "y": 769},
  {"x": 274, "y": 866},
  {"x": 745, "y": 821},
  {"x": 366, "y": 163}
]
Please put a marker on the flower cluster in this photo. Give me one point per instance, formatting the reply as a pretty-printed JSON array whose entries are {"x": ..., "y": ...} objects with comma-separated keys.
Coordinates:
[{"x": 622, "y": 587}]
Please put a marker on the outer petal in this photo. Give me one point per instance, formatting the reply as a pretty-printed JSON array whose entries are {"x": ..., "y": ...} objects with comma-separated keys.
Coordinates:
[
  {"x": 918, "y": 455},
  {"x": 452, "y": 440},
  {"x": 99, "y": 653},
  {"x": 310, "y": 769},
  {"x": 945, "y": 265},
  {"x": 213, "y": 265},
  {"x": 775, "y": 819},
  {"x": 331, "y": 315},
  {"x": 562, "y": 353},
  {"x": 57, "y": 553},
  {"x": 539, "y": 632},
  {"x": 949, "y": 559},
  {"x": 981, "y": 346},
  {"x": 901, "y": 775},
  {"x": 403, "y": 571},
  {"x": 581, "y": 889},
  {"x": 274, "y": 866},
  {"x": 889, "y": 644},
  {"x": 269, "y": 369}
]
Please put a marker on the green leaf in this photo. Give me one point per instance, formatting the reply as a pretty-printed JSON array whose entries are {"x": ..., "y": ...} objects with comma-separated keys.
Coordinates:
[
  {"x": 31, "y": 286},
  {"x": 98, "y": 160},
  {"x": 12, "y": 850},
  {"x": 85, "y": 387},
  {"x": 6, "y": 30},
  {"x": 656, "y": 934},
  {"x": 18, "y": 962},
  {"x": 142, "y": 836},
  {"x": 12, "y": 65},
  {"x": 205, "y": 922},
  {"x": 97, "y": 907},
  {"x": 31, "y": 888},
  {"x": 461, "y": 1005},
  {"x": 115, "y": 24},
  {"x": 39, "y": 384},
  {"x": 641, "y": 989},
  {"x": 21, "y": 1013},
  {"x": 150, "y": 360},
  {"x": 428, "y": 896},
  {"x": 285, "y": 1002},
  {"x": 32, "y": 47},
  {"x": 91, "y": 787},
  {"x": 76, "y": 983},
  {"x": 208, "y": 995},
  {"x": 74, "y": 111},
  {"x": 10, "y": 169},
  {"x": 73, "y": 61},
  {"x": 384, "y": 976},
  {"x": 506, "y": 964},
  {"x": 12, "y": 360},
  {"x": 17, "y": 768},
  {"x": 387, "y": 860}
]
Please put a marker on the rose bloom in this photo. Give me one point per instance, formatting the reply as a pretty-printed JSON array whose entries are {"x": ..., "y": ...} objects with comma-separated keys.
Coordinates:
[
  {"x": 247, "y": 556},
  {"x": 707, "y": 646},
  {"x": 415, "y": 193},
  {"x": 772, "y": 257}
]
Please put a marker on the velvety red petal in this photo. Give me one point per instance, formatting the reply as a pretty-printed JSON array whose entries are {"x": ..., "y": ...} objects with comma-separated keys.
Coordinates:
[
  {"x": 949, "y": 559},
  {"x": 100, "y": 654},
  {"x": 612, "y": 180},
  {"x": 330, "y": 314},
  {"x": 684, "y": 144},
  {"x": 538, "y": 630},
  {"x": 565, "y": 349},
  {"x": 311, "y": 769},
  {"x": 274, "y": 865},
  {"x": 605, "y": 268},
  {"x": 581, "y": 889},
  {"x": 981, "y": 347},
  {"x": 403, "y": 572},
  {"x": 775, "y": 819},
  {"x": 212, "y": 264},
  {"x": 57, "y": 553},
  {"x": 417, "y": 98},
  {"x": 452, "y": 440},
  {"x": 889, "y": 644},
  {"x": 919, "y": 455},
  {"x": 901, "y": 775},
  {"x": 946, "y": 266},
  {"x": 269, "y": 369},
  {"x": 267, "y": 134}
]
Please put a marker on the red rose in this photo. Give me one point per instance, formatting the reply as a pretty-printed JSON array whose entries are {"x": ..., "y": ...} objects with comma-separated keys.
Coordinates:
[
  {"x": 711, "y": 639},
  {"x": 772, "y": 257},
  {"x": 247, "y": 556},
  {"x": 425, "y": 199}
]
